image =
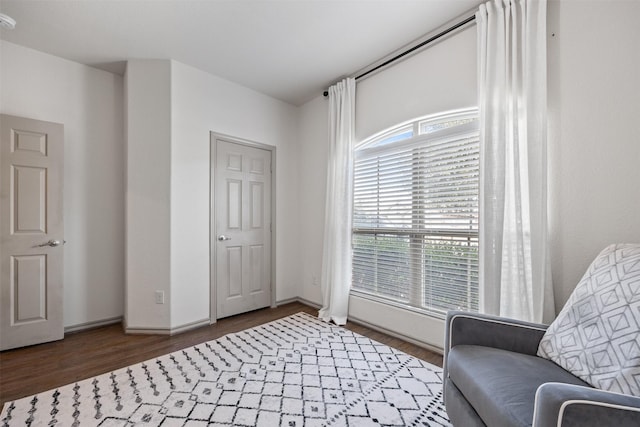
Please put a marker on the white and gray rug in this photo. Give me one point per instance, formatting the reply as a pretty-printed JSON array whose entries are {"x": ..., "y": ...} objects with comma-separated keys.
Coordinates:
[{"x": 296, "y": 371}]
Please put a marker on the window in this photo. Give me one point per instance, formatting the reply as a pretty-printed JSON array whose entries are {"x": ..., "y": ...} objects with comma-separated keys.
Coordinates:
[{"x": 415, "y": 220}]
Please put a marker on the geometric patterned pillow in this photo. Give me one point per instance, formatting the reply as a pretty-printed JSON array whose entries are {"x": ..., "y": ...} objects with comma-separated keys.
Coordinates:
[{"x": 596, "y": 336}]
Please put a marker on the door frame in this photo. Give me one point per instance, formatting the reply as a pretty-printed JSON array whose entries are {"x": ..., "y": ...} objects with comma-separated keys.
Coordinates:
[{"x": 213, "y": 142}]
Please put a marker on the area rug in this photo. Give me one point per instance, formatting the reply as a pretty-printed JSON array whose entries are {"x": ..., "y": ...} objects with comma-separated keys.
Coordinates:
[{"x": 296, "y": 371}]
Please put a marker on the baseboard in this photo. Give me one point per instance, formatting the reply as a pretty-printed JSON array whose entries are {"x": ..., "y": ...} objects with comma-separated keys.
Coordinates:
[
  {"x": 207, "y": 322},
  {"x": 310, "y": 303},
  {"x": 297, "y": 299},
  {"x": 286, "y": 301},
  {"x": 164, "y": 331},
  {"x": 369, "y": 325},
  {"x": 413, "y": 341},
  {"x": 167, "y": 331},
  {"x": 92, "y": 325}
]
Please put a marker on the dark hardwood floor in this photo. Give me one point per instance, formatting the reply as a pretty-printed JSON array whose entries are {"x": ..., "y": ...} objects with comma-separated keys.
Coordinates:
[{"x": 81, "y": 355}]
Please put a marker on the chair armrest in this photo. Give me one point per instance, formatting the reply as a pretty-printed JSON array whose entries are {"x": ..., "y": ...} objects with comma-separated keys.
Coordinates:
[
  {"x": 559, "y": 404},
  {"x": 491, "y": 331},
  {"x": 462, "y": 327}
]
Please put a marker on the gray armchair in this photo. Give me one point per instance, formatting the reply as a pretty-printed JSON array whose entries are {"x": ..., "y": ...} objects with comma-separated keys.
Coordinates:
[
  {"x": 504, "y": 372},
  {"x": 493, "y": 377}
]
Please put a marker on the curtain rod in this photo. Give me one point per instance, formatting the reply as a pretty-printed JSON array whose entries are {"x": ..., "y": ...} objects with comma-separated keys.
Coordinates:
[{"x": 416, "y": 47}]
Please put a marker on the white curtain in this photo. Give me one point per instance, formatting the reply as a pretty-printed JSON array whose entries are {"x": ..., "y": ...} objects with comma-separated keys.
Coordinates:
[
  {"x": 515, "y": 277},
  {"x": 336, "y": 254}
]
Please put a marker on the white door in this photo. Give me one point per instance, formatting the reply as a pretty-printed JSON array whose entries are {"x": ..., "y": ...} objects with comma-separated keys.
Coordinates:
[
  {"x": 32, "y": 232},
  {"x": 242, "y": 198}
]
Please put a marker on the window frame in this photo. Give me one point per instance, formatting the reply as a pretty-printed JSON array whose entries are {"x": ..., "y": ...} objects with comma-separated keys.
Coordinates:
[{"x": 383, "y": 142}]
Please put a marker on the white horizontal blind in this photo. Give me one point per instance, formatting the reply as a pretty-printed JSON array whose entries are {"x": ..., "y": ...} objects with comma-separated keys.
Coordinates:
[{"x": 415, "y": 225}]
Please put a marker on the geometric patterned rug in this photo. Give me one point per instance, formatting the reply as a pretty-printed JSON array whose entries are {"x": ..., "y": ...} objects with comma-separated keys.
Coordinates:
[{"x": 296, "y": 371}]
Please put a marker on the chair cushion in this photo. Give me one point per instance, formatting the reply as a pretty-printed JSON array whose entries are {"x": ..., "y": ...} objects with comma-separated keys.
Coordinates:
[
  {"x": 501, "y": 385},
  {"x": 596, "y": 336}
]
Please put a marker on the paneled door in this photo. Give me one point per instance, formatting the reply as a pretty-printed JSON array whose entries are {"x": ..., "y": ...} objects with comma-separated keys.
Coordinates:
[
  {"x": 31, "y": 232},
  {"x": 242, "y": 199}
]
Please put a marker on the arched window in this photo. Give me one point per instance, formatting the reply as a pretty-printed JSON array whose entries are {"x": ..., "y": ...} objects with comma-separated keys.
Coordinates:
[{"x": 415, "y": 216}]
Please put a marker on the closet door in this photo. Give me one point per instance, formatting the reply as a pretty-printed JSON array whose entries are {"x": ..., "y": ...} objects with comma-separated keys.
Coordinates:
[{"x": 243, "y": 228}]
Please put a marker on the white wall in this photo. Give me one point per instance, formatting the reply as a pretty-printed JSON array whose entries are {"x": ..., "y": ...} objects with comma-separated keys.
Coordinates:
[
  {"x": 148, "y": 135},
  {"x": 313, "y": 153},
  {"x": 594, "y": 136},
  {"x": 441, "y": 78},
  {"x": 593, "y": 149},
  {"x": 202, "y": 103},
  {"x": 89, "y": 104},
  {"x": 172, "y": 108},
  {"x": 594, "y": 145}
]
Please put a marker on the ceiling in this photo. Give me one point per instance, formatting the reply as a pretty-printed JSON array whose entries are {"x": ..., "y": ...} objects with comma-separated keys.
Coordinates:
[{"x": 288, "y": 49}]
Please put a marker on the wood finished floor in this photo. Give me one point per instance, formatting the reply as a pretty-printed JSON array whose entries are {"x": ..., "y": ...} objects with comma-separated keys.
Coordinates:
[{"x": 85, "y": 354}]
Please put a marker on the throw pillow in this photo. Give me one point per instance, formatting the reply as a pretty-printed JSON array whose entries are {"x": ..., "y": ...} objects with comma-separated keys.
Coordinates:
[{"x": 596, "y": 336}]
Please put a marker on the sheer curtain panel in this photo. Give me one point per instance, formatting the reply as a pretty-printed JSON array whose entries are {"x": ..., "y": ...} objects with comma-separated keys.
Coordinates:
[
  {"x": 336, "y": 254},
  {"x": 515, "y": 278}
]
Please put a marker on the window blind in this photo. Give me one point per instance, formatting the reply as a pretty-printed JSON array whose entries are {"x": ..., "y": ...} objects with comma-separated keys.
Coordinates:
[{"x": 415, "y": 224}]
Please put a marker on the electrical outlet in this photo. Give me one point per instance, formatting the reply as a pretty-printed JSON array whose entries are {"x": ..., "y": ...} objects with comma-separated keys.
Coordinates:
[
  {"x": 314, "y": 280},
  {"x": 159, "y": 297}
]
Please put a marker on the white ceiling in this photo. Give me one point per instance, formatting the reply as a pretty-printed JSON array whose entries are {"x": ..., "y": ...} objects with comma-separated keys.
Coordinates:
[{"x": 288, "y": 49}]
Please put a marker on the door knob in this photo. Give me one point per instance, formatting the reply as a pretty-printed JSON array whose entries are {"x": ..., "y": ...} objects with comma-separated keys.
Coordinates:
[
  {"x": 53, "y": 243},
  {"x": 222, "y": 238}
]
